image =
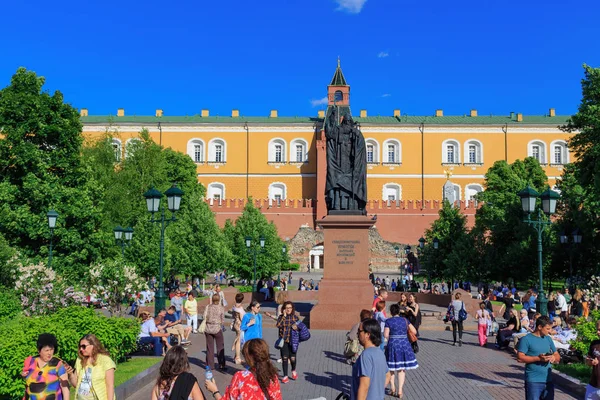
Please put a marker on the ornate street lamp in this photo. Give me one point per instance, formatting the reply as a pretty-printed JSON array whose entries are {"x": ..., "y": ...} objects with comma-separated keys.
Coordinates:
[
  {"x": 528, "y": 203},
  {"x": 570, "y": 245},
  {"x": 52, "y": 217},
  {"x": 122, "y": 237},
  {"x": 253, "y": 251},
  {"x": 153, "y": 197}
]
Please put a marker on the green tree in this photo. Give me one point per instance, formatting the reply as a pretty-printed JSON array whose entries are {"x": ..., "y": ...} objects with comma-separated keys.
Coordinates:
[
  {"x": 506, "y": 244},
  {"x": 254, "y": 224},
  {"x": 452, "y": 259},
  {"x": 40, "y": 169}
]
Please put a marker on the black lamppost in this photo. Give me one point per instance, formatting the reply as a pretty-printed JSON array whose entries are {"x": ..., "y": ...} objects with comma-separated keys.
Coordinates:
[
  {"x": 252, "y": 250},
  {"x": 564, "y": 240},
  {"x": 528, "y": 202},
  {"x": 153, "y": 198},
  {"x": 421, "y": 248},
  {"x": 52, "y": 217},
  {"x": 436, "y": 246},
  {"x": 406, "y": 253},
  {"x": 123, "y": 237},
  {"x": 283, "y": 252},
  {"x": 397, "y": 250}
]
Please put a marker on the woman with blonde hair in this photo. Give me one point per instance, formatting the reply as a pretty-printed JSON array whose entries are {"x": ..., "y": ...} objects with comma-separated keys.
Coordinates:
[
  {"x": 175, "y": 382},
  {"x": 94, "y": 373},
  {"x": 215, "y": 318},
  {"x": 259, "y": 381},
  {"x": 513, "y": 325},
  {"x": 575, "y": 307}
]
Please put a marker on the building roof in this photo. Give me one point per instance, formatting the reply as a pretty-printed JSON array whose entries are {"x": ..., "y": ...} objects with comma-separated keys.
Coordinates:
[
  {"x": 338, "y": 77},
  {"x": 374, "y": 120}
]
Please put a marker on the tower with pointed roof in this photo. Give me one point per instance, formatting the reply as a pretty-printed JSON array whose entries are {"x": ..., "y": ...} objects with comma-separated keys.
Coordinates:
[{"x": 338, "y": 91}]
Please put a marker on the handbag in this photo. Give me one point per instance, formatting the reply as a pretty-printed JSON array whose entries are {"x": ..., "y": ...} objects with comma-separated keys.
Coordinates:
[
  {"x": 462, "y": 313},
  {"x": 202, "y": 327},
  {"x": 351, "y": 348},
  {"x": 279, "y": 343}
]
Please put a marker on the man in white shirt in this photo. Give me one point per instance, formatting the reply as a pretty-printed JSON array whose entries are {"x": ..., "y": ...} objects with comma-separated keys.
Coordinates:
[{"x": 562, "y": 305}]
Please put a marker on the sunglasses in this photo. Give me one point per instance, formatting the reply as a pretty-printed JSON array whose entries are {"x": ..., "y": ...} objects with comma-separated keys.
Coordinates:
[{"x": 84, "y": 346}]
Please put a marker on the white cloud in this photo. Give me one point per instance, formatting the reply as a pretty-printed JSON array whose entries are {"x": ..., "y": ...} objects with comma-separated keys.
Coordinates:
[
  {"x": 386, "y": 95},
  {"x": 350, "y": 6},
  {"x": 383, "y": 54},
  {"x": 319, "y": 102}
]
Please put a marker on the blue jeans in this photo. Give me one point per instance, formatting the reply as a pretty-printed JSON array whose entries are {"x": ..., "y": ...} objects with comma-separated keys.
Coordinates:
[
  {"x": 158, "y": 348},
  {"x": 178, "y": 315},
  {"x": 539, "y": 391}
]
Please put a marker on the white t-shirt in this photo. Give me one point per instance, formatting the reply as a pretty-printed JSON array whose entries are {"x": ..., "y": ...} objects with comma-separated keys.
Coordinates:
[
  {"x": 562, "y": 303},
  {"x": 148, "y": 327}
]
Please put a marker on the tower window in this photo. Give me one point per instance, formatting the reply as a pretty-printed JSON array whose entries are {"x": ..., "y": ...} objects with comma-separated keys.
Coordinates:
[{"x": 338, "y": 96}]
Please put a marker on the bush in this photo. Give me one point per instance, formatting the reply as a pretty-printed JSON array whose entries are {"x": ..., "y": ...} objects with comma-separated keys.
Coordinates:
[
  {"x": 245, "y": 289},
  {"x": 10, "y": 305},
  {"x": 18, "y": 340},
  {"x": 586, "y": 332},
  {"x": 293, "y": 267}
]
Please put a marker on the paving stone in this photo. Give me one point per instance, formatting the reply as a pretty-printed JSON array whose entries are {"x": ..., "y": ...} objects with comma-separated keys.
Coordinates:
[{"x": 445, "y": 371}]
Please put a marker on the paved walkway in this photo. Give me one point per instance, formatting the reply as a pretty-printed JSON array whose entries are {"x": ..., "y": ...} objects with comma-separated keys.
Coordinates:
[{"x": 445, "y": 372}]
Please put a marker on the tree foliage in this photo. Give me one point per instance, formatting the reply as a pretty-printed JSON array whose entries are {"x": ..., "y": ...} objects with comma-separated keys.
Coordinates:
[
  {"x": 254, "y": 224},
  {"x": 40, "y": 169}
]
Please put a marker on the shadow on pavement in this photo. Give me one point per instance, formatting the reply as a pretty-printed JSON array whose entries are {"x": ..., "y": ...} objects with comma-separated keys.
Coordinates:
[
  {"x": 468, "y": 375},
  {"x": 335, "y": 356},
  {"x": 331, "y": 380}
]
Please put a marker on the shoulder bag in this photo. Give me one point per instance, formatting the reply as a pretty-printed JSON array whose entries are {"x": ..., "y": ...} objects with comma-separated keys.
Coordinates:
[
  {"x": 462, "y": 313},
  {"x": 202, "y": 327}
]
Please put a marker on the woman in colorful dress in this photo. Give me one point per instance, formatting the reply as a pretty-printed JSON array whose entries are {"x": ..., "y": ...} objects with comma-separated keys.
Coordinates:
[
  {"x": 175, "y": 382},
  {"x": 398, "y": 353},
  {"x": 258, "y": 382},
  {"x": 45, "y": 375},
  {"x": 94, "y": 373}
]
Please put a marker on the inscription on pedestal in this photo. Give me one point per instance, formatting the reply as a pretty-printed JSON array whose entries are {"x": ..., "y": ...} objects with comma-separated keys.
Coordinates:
[{"x": 345, "y": 250}]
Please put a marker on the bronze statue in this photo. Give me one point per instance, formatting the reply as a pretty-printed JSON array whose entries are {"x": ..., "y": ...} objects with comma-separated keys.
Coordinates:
[{"x": 346, "y": 185}]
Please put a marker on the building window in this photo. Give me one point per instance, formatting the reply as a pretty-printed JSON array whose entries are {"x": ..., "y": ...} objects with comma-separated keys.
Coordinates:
[
  {"x": 277, "y": 150},
  {"x": 472, "y": 153},
  {"x": 560, "y": 154},
  {"x": 537, "y": 150},
  {"x": 277, "y": 191},
  {"x": 217, "y": 151},
  {"x": 370, "y": 151},
  {"x": 298, "y": 150},
  {"x": 197, "y": 153},
  {"x": 116, "y": 144},
  {"x": 392, "y": 148},
  {"x": 392, "y": 192},
  {"x": 450, "y": 154},
  {"x": 471, "y": 191},
  {"x": 216, "y": 191},
  {"x": 299, "y": 153},
  {"x": 195, "y": 149},
  {"x": 557, "y": 155}
]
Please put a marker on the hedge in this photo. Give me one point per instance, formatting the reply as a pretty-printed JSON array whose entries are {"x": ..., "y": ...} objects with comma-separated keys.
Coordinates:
[
  {"x": 10, "y": 305},
  {"x": 18, "y": 339}
]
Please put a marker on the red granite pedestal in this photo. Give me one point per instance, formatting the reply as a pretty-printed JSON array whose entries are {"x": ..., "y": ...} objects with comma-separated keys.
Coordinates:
[{"x": 345, "y": 288}]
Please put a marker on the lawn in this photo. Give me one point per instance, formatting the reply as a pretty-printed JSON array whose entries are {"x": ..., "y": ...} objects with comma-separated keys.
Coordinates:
[
  {"x": 578, "y": 371},
  {"x": 518, "y": 307},
  {"x": 134, "y": 366}
]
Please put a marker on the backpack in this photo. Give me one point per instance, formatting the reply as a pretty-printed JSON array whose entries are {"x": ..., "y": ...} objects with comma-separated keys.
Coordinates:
[
  {"x": 351, "y": 348},
  {"x": 449, "y": 314},
  {"x": 462, "y": 313}
]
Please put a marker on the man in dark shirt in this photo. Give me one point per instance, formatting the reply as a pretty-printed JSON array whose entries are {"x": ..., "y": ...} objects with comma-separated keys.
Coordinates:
[
  {"x": 592, "y": 391},
  {"x": 168, "y": 322}
]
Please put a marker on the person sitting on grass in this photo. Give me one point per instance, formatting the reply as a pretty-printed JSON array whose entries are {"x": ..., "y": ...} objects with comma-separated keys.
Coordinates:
[{"x": 562, "y": 340}]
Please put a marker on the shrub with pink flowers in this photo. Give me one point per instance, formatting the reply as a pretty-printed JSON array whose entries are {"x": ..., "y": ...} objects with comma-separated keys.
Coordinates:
[{"x": 42, "y": 291}]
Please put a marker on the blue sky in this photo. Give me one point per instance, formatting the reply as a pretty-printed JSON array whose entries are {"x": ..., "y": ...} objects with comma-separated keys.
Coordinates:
[{"x": 183, "y": 56}]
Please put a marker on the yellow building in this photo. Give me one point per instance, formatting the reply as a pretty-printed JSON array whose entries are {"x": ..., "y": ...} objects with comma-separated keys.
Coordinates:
[{"x": 275, "y": 156}]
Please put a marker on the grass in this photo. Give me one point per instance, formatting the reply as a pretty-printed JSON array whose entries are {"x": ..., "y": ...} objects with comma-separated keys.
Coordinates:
[
  {"x": 132, "y": 367},
  {"x": 578, "y": 371},
  {"x": 517, "y": 307}
]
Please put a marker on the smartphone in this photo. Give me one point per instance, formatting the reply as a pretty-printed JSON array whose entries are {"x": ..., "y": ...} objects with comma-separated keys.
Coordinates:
[{"x": 549, "y": 353}]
